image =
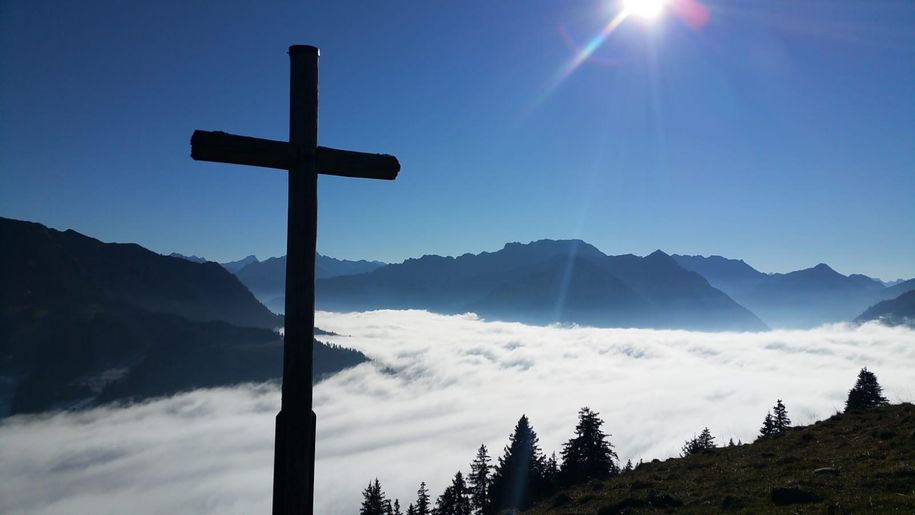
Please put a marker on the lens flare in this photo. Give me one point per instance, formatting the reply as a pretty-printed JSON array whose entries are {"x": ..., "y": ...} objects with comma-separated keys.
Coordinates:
[
  {"x": 593, "y": 44},
  {"x": 691, "y": 11}
]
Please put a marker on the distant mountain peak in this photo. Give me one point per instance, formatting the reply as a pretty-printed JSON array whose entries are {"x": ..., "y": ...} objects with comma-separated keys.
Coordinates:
[
  {"x": 547, "y": 242},
  {"x": 193, "y": 259},
  {"x": 821, "y": 270},
  {"x": 235, "y": 266},
  {"x": 548, "y": 247}
]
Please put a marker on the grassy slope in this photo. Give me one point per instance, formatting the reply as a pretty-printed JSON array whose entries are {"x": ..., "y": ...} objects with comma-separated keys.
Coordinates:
[{"x": 873, "y": 451}]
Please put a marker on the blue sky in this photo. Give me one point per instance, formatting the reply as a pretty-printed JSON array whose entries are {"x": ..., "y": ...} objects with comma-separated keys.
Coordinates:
[{"x": 781, "y": 132}]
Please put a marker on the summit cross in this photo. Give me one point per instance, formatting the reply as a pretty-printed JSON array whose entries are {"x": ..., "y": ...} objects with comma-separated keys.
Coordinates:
[{"x": 294, "y": 449}]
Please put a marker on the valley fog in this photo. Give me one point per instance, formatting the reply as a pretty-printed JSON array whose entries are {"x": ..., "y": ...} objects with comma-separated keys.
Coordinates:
[{"x": 439, "y": 386}]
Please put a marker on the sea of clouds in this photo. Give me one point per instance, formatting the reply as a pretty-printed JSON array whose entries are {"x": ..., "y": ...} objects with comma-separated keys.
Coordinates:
[{"x": 438, "y": 386}]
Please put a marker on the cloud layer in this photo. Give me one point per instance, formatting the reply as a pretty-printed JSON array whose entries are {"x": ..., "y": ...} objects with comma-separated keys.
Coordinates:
[{"x": 439, "y": 386}]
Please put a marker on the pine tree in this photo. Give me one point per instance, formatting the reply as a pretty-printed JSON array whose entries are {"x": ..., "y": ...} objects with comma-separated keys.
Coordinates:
[
  {"x": 479, "y": 480},
  {"x": 456, "y": 498},
  {"x": 388, "y": 507},
  {"x": 410, "y": 509},
  {"x": 373, "y": 501},
  {"x": 768, "y": 427},
  {"x": 551, "y": 470},
  {"x": 730, "y": 442},
  {"x": 780, "y": 419},
  {"x": 628, "y": 467},
  {"x": 422, "y": 500},
  {"x": 588, "y": 455},
  {"x": 518, "y": 478},
  {"x": 396, "y": 508},
  {"x": 866, "y": 394},
  {"x": 704, "y": 441}
]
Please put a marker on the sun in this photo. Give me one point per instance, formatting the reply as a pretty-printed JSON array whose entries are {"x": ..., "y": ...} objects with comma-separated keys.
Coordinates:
[{"x": 647, "y": 9}]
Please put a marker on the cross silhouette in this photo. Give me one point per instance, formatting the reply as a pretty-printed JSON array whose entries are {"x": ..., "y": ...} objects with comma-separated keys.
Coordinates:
[{"x": 294, "y": 450}]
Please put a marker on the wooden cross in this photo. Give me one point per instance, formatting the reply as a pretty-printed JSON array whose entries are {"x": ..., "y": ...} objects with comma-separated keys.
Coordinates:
[{"x": 294, "y": 451}]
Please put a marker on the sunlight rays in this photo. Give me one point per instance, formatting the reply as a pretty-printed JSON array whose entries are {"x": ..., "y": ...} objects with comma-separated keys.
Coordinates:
[
  {"x": 690, "y": 12},
  {"x": 582, "y": 55},
  {"x": 593, "y": 44}
]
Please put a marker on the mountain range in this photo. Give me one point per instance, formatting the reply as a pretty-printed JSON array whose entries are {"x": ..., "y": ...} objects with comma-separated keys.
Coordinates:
[
  {"x": 571, "y": 281},
  {"x": 267, "y": 279},
  {"x": 800, "y": 299},
  {"x": 566, "y": 281},
  {"x": 85, "y": 321}
]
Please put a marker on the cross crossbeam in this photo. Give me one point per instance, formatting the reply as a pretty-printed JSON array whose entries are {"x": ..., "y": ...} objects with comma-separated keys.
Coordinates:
[
  {"x": 223, "y": 147},
  {"x": 294, "y": 448}
]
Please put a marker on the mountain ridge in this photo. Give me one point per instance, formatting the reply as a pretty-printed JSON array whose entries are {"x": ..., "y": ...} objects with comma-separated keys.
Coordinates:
[
  {"x": 85, "y": 321},
  {"x": 896, "y": 311},
  {"x": 800, "y": 299},
  {"x": 668, "y": 296}
]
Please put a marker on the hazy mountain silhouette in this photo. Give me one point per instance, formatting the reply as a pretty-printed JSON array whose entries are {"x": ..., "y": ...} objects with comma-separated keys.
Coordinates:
[
  {"x": 193, "y": 259},
  {"x": 804, "y": 298},
  {"x": 717, "y": 269},
  {"x": 896, "y": 311},
  {"x": 235, "y": 266},
  {"x": 545, "y": 281},
  {"x": 232, "y": 266},
  {"x": 899, "y": 288},
  {"x": 267, "y": 279},
  {"x": 582, "y": 290},
  {"x": 84, "y": 321}
]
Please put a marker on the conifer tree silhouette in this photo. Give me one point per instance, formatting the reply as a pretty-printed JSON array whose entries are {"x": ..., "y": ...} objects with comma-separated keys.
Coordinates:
[
  {"x": 479, "y": 481},
  {"x": 768, "y": 427},
  {"x": 395, "y": 510},
  {"x": 780, "y": 420},
  {"x": 628, "y": 467},
  {"x": 866, "y": 394},
  {"x": 551, "y": 470},
  {"x": 518, "y": 478},
  {"x": 410, "y": 509},
  {"x": 456, "y": 498},
  {"x": 589, "y": 454},
  {"x": 422, "y": 500},
  {"x": 373, "y": 501},
  {"x": 704, "y": 441}
]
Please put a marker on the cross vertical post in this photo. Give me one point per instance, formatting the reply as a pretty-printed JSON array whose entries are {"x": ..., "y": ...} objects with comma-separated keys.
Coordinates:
[
  {"x": 303, "y": 159},
  {"x": 293, "y": 467}
]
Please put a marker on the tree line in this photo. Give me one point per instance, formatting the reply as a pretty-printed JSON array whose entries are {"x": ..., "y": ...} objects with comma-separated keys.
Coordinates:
[{"x": 523, "y": 474}]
